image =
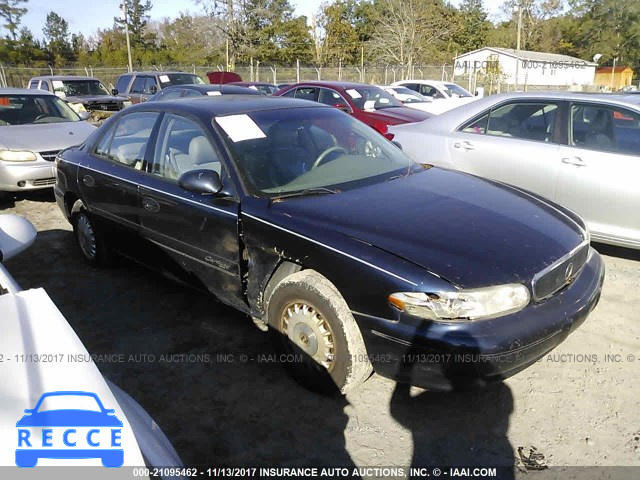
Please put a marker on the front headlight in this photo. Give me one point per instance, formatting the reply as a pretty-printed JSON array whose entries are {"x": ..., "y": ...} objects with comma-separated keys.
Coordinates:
[
  {"x": 463, "y": 305},
  {"x": 126, "y": 103},
  {"x": 17, "y": 156}
]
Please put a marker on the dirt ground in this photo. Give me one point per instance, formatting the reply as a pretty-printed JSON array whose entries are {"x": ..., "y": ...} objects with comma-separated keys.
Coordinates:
[{"x": 576, "y": 406}]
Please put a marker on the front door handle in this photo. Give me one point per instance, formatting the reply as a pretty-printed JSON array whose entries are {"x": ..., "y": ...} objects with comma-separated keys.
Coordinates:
[
  {"x": 89, "y": 181},
  {"x": 576, "y": 161},
  {"x": 151, "y": 205},
  {"x": 467, "y": 145}
]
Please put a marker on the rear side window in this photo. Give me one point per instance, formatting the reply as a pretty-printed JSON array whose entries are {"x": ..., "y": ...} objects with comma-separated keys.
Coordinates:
[
  {"x": 331, "y": 97},
  {"x": 527, "y": 121},
  {"x": 33, "y": 84},
  {"x": 307, "y": 93},
  {"x": 123, "y": 83},
  {"x": 128, "y": 144},
  {"x": 605, "y": 128}
]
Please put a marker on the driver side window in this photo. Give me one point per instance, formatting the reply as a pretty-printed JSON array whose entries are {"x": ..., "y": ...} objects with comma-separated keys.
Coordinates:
[{"x": 183, "y": 146}]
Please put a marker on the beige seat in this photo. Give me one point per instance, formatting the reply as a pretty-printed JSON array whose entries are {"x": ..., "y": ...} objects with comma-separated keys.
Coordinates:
[{"x": 201, "y": 156}]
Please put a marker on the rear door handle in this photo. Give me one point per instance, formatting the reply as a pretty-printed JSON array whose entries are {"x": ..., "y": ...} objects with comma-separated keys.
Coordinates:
[
  {"x": 89, "y": 181},
  {"x": 150, "y": 204},
  {"x": 467, "y": 145},
  {"x": 577, "y": 161}
]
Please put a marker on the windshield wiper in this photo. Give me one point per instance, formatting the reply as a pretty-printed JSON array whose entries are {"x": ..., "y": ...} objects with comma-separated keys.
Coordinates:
[{"x": 306, "y": 192}]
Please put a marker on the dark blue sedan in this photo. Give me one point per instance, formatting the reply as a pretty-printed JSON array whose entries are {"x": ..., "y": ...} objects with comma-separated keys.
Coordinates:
[
  {"x": 199, "y": 90},
  {"x": 327, "y": 235}
]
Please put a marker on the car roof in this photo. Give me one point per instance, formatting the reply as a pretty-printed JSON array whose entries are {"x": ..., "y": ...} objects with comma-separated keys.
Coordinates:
[
  {"x": 207, "y": 106},
  {"x": 156, "y": 72},
  {"x": 23, "y": 91},
  {"x": 327, "y": 83},
  {"x": 63, "y": 77},
  {"x": 426, "y": 82}
]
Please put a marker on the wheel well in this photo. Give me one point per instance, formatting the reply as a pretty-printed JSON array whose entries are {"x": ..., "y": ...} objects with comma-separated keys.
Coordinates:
[
  {"x": 282, "y": 271},
  {"x": 72, "y": 203}
]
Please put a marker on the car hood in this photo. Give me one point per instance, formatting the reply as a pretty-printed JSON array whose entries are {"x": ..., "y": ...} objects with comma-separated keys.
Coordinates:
[
  {"x": 398, "y": 114},
  {"x": 44, "y": 137},
  {"x": 94, "y": 98},
  {"x": 469, "y": 231}
]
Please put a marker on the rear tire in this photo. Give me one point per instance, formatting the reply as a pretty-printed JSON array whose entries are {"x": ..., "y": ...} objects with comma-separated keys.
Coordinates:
[
  {"x": 90, "y": 239},
  {"x": 310, "y": 319}
]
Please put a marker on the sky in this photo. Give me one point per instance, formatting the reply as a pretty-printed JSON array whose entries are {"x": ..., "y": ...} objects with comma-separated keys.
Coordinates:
[{"x": 87, "y": 16}]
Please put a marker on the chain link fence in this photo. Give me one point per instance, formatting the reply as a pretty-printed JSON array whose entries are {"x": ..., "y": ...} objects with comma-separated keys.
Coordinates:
[{"x": 11, "y": 76}]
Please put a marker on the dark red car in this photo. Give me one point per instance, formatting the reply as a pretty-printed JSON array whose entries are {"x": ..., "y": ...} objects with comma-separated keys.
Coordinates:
[{"x": 368, "y": 103}]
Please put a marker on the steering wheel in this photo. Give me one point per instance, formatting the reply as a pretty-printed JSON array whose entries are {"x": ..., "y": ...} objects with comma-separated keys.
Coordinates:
[
  {"x": 324, "y": 155},
  {"x": 40, "y": 117}
]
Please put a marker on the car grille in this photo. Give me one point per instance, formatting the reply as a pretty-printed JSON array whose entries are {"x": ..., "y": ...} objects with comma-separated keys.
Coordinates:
[
  {"x": 103, "y": 106},
  {"x": 50, "y": 155},
  {"x": 560, "y": 273},
  {"x": 44, "y": 182}
]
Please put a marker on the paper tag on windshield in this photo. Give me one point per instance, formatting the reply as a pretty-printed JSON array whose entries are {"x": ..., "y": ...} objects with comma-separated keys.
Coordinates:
[
  {"x": 213, "y": 94},
  {"x": 240, "y": 127},
  {"x": 164, "y": 79},
  {"x": 354, "y": 93},
  {"x": 57, "y": 84}
]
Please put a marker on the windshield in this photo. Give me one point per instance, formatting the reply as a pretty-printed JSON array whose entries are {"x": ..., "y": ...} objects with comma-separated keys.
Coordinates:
[
  {"x": 180, "y": 79},
  {"x": 372, "y": 98},
  {"x": 454, "y": 90},
  {"x": 406, "y": 95},
  {"x": 32, "y": 109},
  {"x": 309, "y": 148},
  {"x": 79, "y": 88}
]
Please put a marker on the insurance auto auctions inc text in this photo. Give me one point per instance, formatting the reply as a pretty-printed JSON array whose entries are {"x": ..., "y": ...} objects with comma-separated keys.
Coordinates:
[{"x": 379, "y": 472}]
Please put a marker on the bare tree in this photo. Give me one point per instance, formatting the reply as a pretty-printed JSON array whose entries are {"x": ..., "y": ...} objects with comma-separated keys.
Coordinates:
[{"x": 405, "y": 29}]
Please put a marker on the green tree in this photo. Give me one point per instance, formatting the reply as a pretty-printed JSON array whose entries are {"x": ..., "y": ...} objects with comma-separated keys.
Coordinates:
[
  {"x": 56, "y": 34},
  {"x": 610, "y": 28},
  {"x": 473, "y": 27},
  {"x": 12, "y": 12},
  {"x": 341, "y": 41},
  {"x": 137, "y": 17}
]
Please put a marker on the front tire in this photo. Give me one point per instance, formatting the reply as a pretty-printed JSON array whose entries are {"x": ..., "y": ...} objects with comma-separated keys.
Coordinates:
[
  {"x": 90, "y": 239},
  {"x": 310, "y": 319}
]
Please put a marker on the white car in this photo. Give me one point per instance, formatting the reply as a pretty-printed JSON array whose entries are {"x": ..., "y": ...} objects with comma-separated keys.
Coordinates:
[
  {"x": 445, "y": 95},
  {"x": 410, "y": 98},
  {"x": 45, "y": 369}
]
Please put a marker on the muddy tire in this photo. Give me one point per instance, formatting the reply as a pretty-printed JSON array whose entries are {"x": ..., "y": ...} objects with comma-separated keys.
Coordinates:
[
  {"x": 311, "y": 323},
  {"x": 90, "y": 239}
]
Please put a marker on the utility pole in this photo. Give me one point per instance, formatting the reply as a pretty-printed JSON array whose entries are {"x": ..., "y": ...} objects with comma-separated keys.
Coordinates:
[
  {"x": 518, "y": 45},
  {"x": 124, "y": 15}
]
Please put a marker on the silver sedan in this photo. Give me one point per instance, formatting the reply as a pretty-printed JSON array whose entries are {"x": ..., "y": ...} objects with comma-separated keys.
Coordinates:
[
  {"x": 581, "y": 150},
  {"x": 34, "y": 126}
]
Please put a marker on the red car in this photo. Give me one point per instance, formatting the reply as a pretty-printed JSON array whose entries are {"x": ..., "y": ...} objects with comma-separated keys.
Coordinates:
[{"x": 368, "y": 103}]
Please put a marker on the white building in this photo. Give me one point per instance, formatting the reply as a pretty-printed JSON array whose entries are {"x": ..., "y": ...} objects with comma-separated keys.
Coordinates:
[{"x": 525, "y": 68}]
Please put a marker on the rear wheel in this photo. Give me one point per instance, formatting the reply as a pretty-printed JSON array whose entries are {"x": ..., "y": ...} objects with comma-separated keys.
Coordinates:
[
  {"x": 90, "y": 239},
  {"x": 312, "y": 324}
]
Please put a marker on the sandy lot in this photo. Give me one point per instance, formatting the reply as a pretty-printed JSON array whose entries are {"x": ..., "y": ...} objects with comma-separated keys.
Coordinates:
[{"x": 180, "y": 355}]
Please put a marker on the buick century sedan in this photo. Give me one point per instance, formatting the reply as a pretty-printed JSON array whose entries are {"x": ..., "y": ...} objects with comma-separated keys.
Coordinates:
[{"x": 327, "y": 235}]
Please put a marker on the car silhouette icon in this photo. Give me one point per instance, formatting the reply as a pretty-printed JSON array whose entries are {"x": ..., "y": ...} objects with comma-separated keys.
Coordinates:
[{"x": 97, "y": 417}]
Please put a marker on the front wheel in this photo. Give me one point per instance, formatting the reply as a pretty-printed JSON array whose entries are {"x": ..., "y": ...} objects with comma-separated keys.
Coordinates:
[
  {"x": 312, "y": 324},
  {"x": 90, "y": 239}
]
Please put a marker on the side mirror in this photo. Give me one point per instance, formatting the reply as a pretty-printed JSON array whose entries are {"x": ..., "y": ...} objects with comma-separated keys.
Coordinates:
[
  {"x": 84, "y": 115},
  {"x": 342, "y": 106},
  {"x": 16, "y": 235},
  {"x": 114, "y": 91},
  {"x": 153, "y": 89},
  {"x": 204, "y": 182}
]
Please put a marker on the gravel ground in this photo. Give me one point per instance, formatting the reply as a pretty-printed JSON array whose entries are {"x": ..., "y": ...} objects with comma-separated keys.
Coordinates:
[{"x": 575, "y": 407}]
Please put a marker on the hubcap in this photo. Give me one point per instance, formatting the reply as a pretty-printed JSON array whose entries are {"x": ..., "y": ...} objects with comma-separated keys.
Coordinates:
[
  {"x": 86, "y": 237},
  {"x": 308, "y": 330}
]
